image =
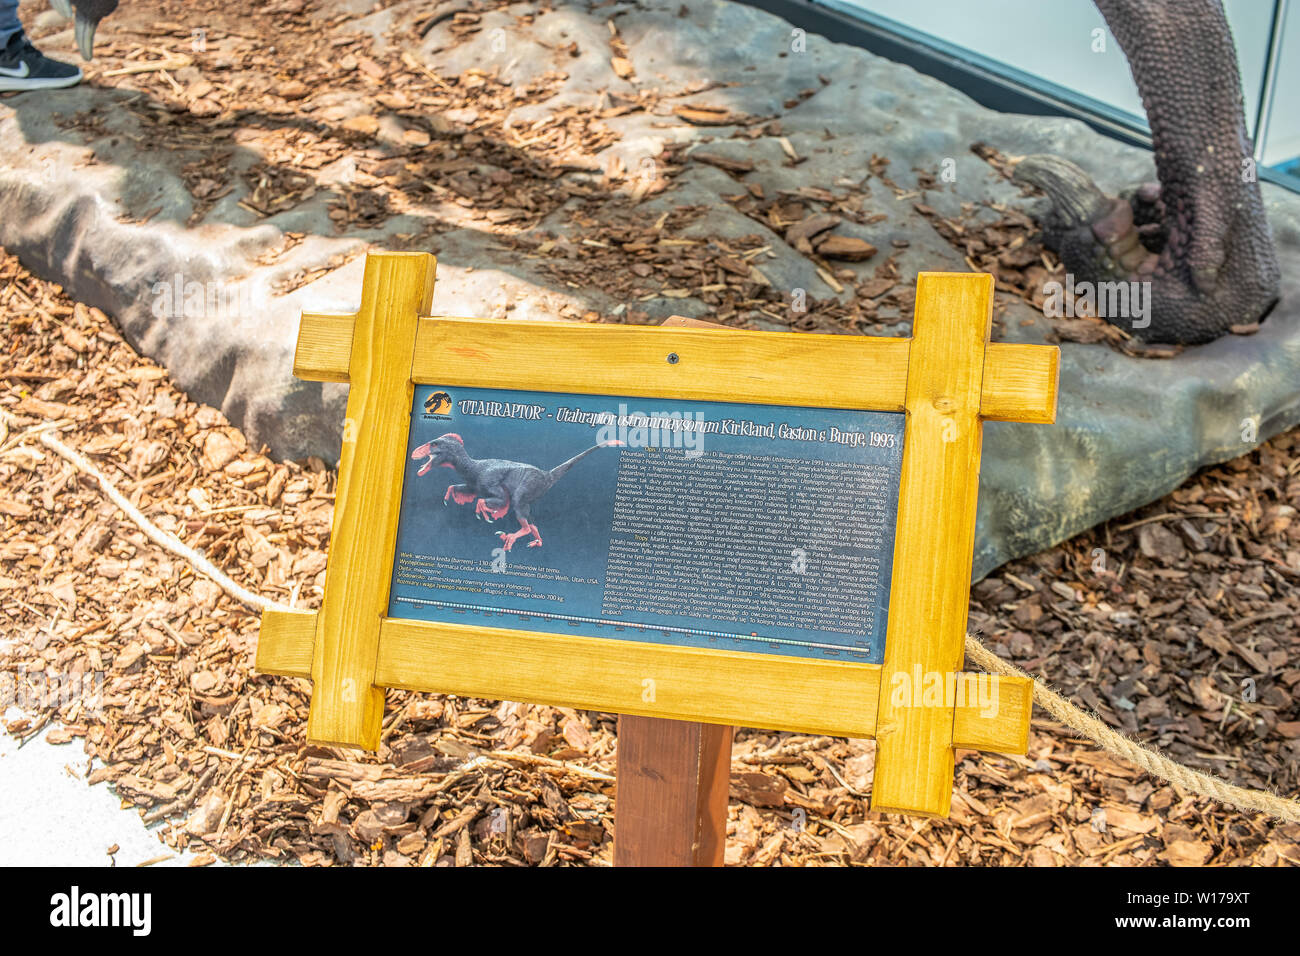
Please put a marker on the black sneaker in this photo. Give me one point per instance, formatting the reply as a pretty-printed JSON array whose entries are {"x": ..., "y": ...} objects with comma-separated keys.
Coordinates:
[{"x": 23, "y": 67}]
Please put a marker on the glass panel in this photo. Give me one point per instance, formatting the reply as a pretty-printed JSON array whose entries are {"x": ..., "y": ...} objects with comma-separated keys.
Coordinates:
[
  {"x": 1282, "y": 134},
  {"x": 1056, "y": 41}
]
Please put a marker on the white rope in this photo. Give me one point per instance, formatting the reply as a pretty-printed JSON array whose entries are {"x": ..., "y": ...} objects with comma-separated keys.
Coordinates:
[
  {"x": 155, "y": 534},
  {"x": 1153, "y": 762}
]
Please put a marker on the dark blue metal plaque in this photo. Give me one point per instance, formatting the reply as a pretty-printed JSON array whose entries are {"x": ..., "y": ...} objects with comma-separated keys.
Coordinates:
[{"x": 759, "y": 528}]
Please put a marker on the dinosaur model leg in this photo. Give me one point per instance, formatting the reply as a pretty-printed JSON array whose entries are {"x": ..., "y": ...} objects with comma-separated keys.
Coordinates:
[
  {"x": 459, "y": 494},
  {"x": 526, "y": 527},
  {"x": 491, "y": 509},
  {"x": 1199, "y": 237}
]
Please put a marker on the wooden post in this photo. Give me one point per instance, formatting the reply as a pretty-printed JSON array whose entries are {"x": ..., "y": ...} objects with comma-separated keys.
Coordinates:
[
  {"x": 671, "y": 800},
  {"x": 673, "y": 778},
  {"x": 346, "y": 706},
  {"x": 930, "y": 593}
]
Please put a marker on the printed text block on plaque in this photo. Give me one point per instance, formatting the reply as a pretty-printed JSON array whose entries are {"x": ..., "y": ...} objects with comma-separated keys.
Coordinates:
[{"x": 758, "y": 573}]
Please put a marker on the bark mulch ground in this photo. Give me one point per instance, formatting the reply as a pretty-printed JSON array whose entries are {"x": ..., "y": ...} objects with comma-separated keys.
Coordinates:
[{"x": 1178, "y": 624}]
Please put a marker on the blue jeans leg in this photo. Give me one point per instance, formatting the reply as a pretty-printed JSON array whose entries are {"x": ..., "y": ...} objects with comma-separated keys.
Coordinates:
[{"x": 9, "y": 24}]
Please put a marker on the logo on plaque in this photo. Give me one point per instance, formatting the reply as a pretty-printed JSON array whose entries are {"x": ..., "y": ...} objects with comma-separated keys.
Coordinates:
[{"x": 437, "y": 404}]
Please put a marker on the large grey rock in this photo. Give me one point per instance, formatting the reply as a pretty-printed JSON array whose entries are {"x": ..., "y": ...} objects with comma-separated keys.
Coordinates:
[{"x": 1129, "y": 429}]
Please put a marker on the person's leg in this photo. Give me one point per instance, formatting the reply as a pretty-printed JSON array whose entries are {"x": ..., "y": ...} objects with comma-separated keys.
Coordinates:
[
  {"x": 22, "y": 66},
  {"x": 9, "y": 23}
]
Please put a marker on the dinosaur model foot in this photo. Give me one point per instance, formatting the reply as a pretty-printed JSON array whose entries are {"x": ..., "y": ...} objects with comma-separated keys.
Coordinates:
[
  {"x": 508, "y": 538},
  {"x": 487, "y": 513},
  {"x": 1182, "y": 270}
]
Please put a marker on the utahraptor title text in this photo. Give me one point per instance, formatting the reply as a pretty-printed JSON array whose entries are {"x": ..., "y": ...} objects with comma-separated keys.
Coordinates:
[{"x": 640, "y": 429}]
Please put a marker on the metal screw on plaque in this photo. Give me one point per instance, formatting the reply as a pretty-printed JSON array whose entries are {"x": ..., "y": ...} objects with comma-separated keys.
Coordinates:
[{"x": 672, "y": 358}]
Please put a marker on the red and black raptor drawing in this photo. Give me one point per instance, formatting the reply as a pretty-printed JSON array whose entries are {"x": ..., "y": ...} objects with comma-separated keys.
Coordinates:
[{"x": 496, "y": 485}]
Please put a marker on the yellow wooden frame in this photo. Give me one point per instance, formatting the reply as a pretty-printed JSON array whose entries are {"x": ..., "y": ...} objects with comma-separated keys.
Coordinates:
[{"x": 947, "y": 378}]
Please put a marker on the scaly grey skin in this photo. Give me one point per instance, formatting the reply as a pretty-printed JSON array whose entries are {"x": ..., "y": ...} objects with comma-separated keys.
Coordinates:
[
  {"x": 85, "y": 16},
  {"x": 1200, "y": 235}
]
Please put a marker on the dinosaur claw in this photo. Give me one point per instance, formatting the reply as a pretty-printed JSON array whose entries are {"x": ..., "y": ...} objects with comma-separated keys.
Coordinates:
[
  {"x": 1075, "y": 197},
  {"x": 83, "y": 29}
]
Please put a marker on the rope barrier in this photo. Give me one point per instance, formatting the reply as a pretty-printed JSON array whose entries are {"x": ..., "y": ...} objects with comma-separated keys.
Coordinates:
[{"x": 1153, "y": 762}]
